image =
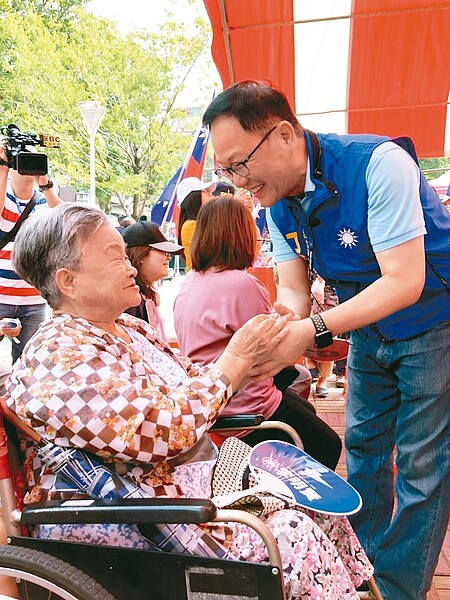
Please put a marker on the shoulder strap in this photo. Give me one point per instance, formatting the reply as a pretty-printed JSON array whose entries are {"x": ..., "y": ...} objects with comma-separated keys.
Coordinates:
[
  {"x": 316, "y": 154},
  {"x": 317, "y": 160},
  {"x": 25, "y": 213}
]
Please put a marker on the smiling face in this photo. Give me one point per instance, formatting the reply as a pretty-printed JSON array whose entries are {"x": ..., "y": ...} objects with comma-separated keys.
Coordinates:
[
  {"x": 276, "y": 169},
  {"x": 103, "y": 286},
  {"x": 154, "y": 266}
]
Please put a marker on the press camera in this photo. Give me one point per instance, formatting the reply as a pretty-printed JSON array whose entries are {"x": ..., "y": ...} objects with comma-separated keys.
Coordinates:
[{"x": 20, "y": 158}]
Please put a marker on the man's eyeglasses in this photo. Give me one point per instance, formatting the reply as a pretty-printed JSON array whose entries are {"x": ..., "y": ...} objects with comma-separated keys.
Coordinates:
[{"x": 240, "y": 167}]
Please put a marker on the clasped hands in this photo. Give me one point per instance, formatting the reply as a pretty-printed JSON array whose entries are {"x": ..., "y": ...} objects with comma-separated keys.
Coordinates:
[{"x": 271, "y": 342}]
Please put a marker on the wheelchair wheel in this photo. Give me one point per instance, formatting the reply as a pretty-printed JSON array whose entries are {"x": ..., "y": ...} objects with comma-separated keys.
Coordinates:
[{"x": 40, "y": 576}]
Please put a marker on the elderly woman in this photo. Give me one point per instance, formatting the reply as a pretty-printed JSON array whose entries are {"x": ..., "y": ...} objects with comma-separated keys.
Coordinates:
[
  {"x": 96, "y": 379},
  {"x": 216, "y": 298}
]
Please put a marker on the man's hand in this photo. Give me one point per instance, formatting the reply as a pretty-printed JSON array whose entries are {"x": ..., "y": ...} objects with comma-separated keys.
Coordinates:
[
  {"x": 299, "y": 338},
  {"x": 4, "y": 170},
  {"x": 11, "y": 328},
  {"x": 245, "y": 197},
  {"x": 41, "y": 179},
  {"x": 254, "y": 342},
  {"x": 4, "y": 155}
]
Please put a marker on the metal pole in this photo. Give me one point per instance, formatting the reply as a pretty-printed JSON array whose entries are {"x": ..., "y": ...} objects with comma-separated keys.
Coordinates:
[
  {"x": 92, "y": 113},
  {"x": 92, "y": 201}
]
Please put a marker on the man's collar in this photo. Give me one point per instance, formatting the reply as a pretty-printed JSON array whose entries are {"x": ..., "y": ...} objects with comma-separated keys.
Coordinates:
[{"x": 309, "y": 185}]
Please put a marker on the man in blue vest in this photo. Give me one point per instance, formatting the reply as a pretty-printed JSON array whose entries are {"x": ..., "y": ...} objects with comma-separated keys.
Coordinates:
[{"x": 357, "y": 209}]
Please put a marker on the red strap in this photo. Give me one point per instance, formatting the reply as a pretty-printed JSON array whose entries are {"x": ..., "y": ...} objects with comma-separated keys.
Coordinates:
[{"x": 5, "y": 469}]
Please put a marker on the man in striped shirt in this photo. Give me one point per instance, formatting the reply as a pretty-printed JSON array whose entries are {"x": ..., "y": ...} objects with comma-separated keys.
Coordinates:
[{"x": 18, "y": 299}]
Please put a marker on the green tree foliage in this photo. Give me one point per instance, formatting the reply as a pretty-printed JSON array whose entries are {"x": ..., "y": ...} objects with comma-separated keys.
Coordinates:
[
  {"x": 433, "y": 167},
  {"x": 55, "y": 54},
  {"x": 52, "y": 11}
]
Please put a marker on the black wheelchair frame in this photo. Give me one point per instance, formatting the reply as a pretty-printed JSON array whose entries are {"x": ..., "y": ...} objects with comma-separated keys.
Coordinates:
[{"x": 54, "y": 570}]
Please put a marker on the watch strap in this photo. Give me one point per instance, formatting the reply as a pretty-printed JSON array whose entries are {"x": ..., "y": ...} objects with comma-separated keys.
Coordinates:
[
  {"x": 4, "y": 163},
  {"x": 318, "y": 323},
  {"x": 323, "y": 337},
  {"x": 46, "y": 186}
]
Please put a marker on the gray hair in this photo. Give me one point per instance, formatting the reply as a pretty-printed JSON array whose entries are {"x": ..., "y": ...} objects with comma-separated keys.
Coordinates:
[{"x": 52, "y": 241}]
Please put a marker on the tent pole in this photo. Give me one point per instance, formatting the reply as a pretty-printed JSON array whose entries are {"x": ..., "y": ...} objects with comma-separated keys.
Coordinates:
[{"x": 226, "y": 39}]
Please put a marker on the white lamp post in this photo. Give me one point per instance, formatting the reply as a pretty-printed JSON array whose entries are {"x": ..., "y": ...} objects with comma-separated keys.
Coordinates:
[{"x": 92, "y": 113}]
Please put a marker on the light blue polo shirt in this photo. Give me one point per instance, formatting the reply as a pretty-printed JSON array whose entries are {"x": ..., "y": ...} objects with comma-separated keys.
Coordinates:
[{"x": 394, "y": 210}]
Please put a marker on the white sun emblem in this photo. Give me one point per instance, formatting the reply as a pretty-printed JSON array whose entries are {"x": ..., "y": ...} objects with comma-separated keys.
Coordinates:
[{"x": 347, "y": 238}]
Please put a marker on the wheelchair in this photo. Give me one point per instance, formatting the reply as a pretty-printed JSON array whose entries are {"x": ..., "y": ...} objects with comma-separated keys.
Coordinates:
[{"x": 56, "y": 570}]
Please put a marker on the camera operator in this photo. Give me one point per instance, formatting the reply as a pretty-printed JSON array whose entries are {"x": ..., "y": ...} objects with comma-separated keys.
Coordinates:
[{"x": 18, "y": 299}]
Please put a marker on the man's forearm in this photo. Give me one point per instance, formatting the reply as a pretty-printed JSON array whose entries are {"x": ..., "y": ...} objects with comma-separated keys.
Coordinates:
[
  {"x": 52, "y": 198},
  {"x": 4, "y": 170},
  {"x": 382, "y": 298}
]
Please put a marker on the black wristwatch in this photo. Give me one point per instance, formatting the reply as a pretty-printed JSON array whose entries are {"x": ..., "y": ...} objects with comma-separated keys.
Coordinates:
[
  {"x": 323, "y": 336},
  {"x": 46, "y": 186}
]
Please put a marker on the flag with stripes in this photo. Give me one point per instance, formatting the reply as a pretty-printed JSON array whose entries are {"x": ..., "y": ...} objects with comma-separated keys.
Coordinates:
[{"x": 166, "y": 208}]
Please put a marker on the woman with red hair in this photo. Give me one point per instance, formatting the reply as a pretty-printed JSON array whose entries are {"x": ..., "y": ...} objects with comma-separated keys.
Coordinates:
[{"x": 216, "y": 298}]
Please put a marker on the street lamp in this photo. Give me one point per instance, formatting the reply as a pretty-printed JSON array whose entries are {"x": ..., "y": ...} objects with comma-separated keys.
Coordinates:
[{"x": 92, "y": 113}]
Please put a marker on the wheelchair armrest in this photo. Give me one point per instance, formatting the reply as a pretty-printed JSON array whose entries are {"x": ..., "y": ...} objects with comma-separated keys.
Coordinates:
[
  {"x": 237, "y": 422},
  {"x": 243, "y": 422},
  {"x": 153, "y": 510}
]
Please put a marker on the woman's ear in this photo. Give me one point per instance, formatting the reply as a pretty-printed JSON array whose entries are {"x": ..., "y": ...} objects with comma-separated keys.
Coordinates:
[{"x": 65, "y": 281}]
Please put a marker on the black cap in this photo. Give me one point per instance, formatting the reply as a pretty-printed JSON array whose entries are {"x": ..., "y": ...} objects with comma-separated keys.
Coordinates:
[
  {"x": 223, "y": 188},
  {"x": 146, "y": 233}
]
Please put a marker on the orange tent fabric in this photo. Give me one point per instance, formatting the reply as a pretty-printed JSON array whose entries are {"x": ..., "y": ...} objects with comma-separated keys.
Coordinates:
[{"x": 372, "y": 66}]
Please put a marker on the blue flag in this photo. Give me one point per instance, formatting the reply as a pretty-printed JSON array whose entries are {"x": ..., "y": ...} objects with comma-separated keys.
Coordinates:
[{"x": 159, "y": 209}]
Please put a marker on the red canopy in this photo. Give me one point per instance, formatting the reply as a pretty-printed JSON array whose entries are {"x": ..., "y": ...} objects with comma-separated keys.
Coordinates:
[{"x": 361, "y": 66}]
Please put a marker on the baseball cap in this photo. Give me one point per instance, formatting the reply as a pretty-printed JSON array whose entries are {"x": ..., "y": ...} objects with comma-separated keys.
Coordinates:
[
  {"x": 192, "y": 184},
  {"x": 223, "y": 188},
  {"x": 147, "y": 233}
]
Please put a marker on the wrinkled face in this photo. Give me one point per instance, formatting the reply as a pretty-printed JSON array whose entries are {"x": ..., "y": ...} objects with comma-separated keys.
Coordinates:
[
  {"x": 271, "y": 172},
  {"x": 154, "y": 266},
  {"x": 104, "y": 283}
]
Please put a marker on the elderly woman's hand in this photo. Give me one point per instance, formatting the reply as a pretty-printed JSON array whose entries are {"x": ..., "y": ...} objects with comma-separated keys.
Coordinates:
[
  {"x": 253, "y": 343},
  {"x": 281, "y": 309},
  {"x": 258, "y": 337}
]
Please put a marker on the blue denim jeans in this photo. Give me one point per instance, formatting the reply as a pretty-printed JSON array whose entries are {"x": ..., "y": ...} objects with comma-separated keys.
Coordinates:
[
  {"x": 30, "y": 316},
  {"x": 399, "y": 397}
]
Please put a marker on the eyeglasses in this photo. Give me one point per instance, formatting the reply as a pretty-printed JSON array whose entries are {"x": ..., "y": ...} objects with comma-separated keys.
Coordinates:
[{"x": 240, "y": 167}]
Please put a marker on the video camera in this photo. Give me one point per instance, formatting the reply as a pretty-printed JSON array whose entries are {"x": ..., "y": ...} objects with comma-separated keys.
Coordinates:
[{"x": 22, "y": 160}]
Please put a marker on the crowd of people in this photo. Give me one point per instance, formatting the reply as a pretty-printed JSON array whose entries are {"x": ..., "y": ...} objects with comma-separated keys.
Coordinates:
[{"x": 361, "y": 244}]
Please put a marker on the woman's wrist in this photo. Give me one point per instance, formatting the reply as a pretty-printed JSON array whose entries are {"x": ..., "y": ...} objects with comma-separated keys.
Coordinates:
[{"x": 234, "y": 366}]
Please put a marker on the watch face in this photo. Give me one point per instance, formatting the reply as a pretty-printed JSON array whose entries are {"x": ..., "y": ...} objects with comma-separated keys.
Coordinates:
[{"x": 324, "y": 339}]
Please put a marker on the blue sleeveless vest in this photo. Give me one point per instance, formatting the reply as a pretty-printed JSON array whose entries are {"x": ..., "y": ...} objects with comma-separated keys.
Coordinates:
[{"x": 335, "y": 221}]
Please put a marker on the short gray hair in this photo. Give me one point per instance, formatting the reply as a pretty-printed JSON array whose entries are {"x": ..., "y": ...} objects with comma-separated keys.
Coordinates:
[{"x": 52, "y": 241}]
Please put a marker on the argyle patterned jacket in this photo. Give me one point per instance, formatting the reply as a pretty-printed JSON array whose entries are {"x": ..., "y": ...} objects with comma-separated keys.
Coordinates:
[{"x": 80, "y": 386}]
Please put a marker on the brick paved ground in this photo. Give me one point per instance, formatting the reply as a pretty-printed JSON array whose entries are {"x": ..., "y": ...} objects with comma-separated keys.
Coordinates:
[{"x": 332, "y": 410}]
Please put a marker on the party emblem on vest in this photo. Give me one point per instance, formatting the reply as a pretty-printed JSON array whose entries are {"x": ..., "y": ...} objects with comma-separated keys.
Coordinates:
[{"x": 347, "y": 238}]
